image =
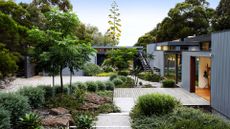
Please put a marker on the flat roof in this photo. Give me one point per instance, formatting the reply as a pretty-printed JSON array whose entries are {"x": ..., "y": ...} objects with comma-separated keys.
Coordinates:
[{"x": 178, "y": 43}]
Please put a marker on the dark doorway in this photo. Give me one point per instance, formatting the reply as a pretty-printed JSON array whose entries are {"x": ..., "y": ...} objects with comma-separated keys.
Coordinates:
[
  {"x": 100, "y": 59},
  {"x": 193, "y": 74}
]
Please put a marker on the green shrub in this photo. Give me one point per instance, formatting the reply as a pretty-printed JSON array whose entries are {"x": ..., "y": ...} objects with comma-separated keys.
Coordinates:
[
  {"x": 66, "y": 101},
  {"x": 123, "y": 73},
  {"x": 129, "y": 83},
  {"x": 80, "y": 85},
  {"x": 149, "y": 76},
  {"x": 4, "y": 119},
  {"x": 91, "y": 86},
  {"x": 36, "y": 96},
  {"x": 84, "y": 121},
  {"x": 58, "y": 90},
  {"x": 168, "y": 83},
  {"x": 181, "y": 118},
  {"x": 49, "y": 91},
  {"x": 123, "y": 78},
  {"x": 16, "y": 104},
  {"x": 91, "y": 69},
  {"x": 108, "y": 108},
  {"x": 117, "y": 82},
  {"x": 80, "y": 95},
  {"x": 100, "y": 85},
  {"x": 109, "y": 85},
  {"x": 155, "y": 104},
  {"x": 108, "y": 69},
  {"x": 113, "y": 77},
  {"x": 30, "y": 121},
  {"x": 108, "y": 94}
]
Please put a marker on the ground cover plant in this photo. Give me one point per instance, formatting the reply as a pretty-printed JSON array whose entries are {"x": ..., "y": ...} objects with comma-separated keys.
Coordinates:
[
  {"x": 122, "y": 81},
  {"x": 149, "y": 76},
  {"x": 24, "y": 108},
  {"x": 153, "y": 113}
]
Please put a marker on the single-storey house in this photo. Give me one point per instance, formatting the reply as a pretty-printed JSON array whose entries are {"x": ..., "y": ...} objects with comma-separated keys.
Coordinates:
[{"x": 201, "y": 64}]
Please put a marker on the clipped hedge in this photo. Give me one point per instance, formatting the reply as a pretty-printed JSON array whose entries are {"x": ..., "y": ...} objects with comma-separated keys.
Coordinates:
[
  {"x": 155, "y": 104},
  {"x": 36, "y": 96},
  {"x": 117, "y": 82},
  {"x": 16, "y": 104},
  {"x": 91, "y": 86},
  {"x": 148, "y": 76},
  {"x": 100, "y": 85},
  {"x": 109, "y": 85},
  {"x": 91, "y": 69},
  {"x": 168, "y": 83}
]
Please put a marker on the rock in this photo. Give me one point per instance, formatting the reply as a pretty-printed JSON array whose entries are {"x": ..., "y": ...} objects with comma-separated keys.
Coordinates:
[
  {"x": 59, "y": 111},
  {"x": 89, "y": 106},
  {"x": 54, "y": 121},
  {"x": 96, "y": 99}
]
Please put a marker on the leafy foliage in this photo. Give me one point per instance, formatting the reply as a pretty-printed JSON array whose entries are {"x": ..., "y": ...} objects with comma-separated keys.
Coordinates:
[
  {"x": 168, "y": 83},
  {"x": 154, "y": 104},
  {"x": 91, "y": 69},
  {"x": 16, "y": 104},
  {"x": 4, "y": 119},
  {"x": 30, "y": 121},
  {"x": 109, "y": 85},
  {"x": 36, "y": 96},
  {"x": 149, "y": 76},
  {"x": 91, "y": 86},
  {"x": 84, "y": 121},
  {"x": 120, "y": 58}
]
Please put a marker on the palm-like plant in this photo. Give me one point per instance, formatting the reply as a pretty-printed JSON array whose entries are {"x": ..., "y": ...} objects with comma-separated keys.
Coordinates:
[{"x": 30, "y": 121}]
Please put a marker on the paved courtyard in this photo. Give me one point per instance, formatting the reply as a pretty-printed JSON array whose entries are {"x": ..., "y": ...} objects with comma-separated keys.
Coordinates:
[
  {"x": 125, "y": 99},
  {"x": 46, "y": 80}
]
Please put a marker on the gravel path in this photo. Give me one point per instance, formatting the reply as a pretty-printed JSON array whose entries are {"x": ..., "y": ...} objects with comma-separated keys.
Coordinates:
[{"x": 46, "y": 80}]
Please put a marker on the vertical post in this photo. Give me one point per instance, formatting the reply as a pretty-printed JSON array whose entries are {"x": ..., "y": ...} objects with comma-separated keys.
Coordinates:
[{"x": 177, "y": 68}]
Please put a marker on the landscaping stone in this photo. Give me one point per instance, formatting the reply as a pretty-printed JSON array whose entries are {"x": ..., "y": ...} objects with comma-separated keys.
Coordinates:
[
  {"x": 96, "y": 99},
  {"x": 59, "y": 111},
  {"x": 89, "y": 106}
]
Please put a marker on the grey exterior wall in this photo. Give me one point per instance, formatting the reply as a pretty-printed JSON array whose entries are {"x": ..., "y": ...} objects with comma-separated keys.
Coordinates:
[
  {"x": 158, "y": 58},
  {"x": 220, "y": 82},
  {"x": 66, "y": 71},
  {"x": 186, "y": 66}
]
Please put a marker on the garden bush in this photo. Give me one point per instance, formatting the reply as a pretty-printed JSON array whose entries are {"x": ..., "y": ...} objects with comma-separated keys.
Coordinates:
[
  {"x": 107, "y": 69},
  {"x": 36, "y": 96},
  {"x": 58, "y": 90},
  {"x": 113, "y": 77},
  {"x": 181, "y": 118},
  {"x": 92, "y": 86},
  {"x": 149, "y": 76},
  {"x": 16, "y": 104},
  {"x": 4, "y": 119},
  {"x": 168, "y": 83},
  {"x": 109, "y": 85},
  {"x": 80, "y": 85},
  {"x": 108, "y": 108},
  {"x": 91, "y": 69},
  {"x": 80, "y": 95},
  {"x": 117, "y": 82},
  {"x": 155, "y": 104},
  {"x": 129, "y": 83},
  {"x": 84, "y": 121},
  {"x": 100, "y": 85},
  {"x": 123, "y": 78},
  {"x": 49, "y": 91},
  {"x": 123, "y": 73},
  {"x": 30, "y": 121}
]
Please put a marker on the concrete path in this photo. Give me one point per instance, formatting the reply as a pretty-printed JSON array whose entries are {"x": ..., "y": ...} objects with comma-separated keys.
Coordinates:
[
  {"x": 46, "y": 80},
  {"x": 144, "y": 82}
]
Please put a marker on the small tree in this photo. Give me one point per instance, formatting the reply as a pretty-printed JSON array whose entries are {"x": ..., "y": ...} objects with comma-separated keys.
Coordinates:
[
  {"x": 120, "y": 58},
  {"x": 114, "y": 30}
]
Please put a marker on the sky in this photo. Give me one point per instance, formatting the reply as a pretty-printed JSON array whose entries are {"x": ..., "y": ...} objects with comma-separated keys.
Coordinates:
[{"x": 137, "y": 16}]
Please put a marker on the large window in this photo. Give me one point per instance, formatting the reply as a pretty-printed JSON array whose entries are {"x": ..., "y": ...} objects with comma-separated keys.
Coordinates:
[{"x": 205, "y": 46}]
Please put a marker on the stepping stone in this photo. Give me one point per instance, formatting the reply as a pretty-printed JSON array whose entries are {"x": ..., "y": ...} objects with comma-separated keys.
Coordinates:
[{"x": 113, "y": 121}]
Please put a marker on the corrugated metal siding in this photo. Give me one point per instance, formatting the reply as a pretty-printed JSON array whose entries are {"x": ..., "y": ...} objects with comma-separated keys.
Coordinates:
[
  {"x": 186, "y": 66},
  {"x": 220, "y": 82},
  {"x": 158, "y": 58}
]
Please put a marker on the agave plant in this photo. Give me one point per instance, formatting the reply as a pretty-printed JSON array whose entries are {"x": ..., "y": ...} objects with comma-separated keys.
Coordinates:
[{"x": 30, "y": 121}]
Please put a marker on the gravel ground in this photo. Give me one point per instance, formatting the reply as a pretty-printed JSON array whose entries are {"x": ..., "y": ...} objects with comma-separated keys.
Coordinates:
[{"x": 46, "y": 80}]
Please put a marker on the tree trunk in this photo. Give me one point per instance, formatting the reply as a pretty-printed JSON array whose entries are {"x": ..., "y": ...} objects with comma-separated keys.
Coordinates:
[
  {"x": 53, "y": 80},
  {"x": 70, "y": 83},
  {"x": 61, "y": 78}
]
